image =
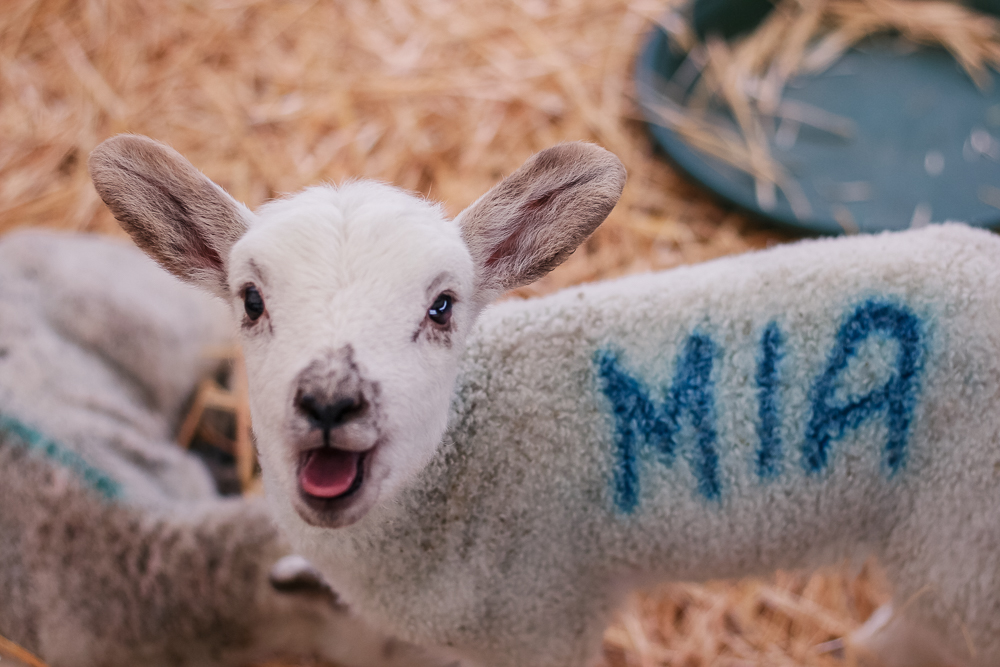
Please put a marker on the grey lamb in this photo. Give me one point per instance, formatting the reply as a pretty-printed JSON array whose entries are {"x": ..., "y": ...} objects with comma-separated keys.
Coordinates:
[{"x": 115, "y": 549}]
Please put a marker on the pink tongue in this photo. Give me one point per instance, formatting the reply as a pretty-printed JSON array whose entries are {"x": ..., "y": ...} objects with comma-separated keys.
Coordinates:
[{"x": 328, "y": 472}]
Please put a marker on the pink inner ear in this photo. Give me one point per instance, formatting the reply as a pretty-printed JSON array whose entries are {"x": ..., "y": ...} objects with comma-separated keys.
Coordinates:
[
  {"x": 199, "y": 253},
  {"x": 529, "y": 217},
  {"x": 506, "y": 248},
  {"x": 540, "y": 202}
]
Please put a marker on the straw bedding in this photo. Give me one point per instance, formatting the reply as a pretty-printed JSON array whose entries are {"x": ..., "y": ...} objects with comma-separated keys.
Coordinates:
[{"x": 439, "y": 96}]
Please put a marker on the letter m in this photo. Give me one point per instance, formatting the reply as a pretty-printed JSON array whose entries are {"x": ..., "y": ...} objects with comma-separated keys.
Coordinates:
[{"x": 641, "y": 423}]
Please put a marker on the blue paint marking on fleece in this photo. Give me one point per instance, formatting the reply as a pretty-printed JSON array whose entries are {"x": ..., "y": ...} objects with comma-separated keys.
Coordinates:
[
  {"x": 896, "y": 398},
  {"x": 641, "y": 423},
  {"x": 35, "y": 441},
  {"x": 768, "y": 459}
]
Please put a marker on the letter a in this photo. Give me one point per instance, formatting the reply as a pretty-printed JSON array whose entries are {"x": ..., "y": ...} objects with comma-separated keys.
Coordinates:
[{"x": 895, "y": 399}]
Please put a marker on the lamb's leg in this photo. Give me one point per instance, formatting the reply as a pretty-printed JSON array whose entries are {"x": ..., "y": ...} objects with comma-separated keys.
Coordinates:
[{"x": 890, "y": 639}]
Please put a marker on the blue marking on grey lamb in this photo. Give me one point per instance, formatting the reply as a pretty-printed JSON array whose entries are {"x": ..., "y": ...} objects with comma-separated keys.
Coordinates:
[
  {"x": 35, "y": 441},
  {"x": 639, "y": 421},
  {"x": 768, "y": 459},
  {"x": 896, "y": 398}
]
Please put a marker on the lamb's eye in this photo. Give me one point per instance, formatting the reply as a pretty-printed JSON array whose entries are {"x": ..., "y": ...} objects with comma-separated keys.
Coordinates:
[
  {"x": 440, "y": 311},
  {"x": 253, "y": 302}
]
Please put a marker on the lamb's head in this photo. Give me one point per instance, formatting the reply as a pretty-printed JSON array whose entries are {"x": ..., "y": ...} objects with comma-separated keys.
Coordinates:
[{"x": 354, "y": 302}]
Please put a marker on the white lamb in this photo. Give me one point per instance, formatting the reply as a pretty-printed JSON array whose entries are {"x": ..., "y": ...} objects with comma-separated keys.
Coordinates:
[{"x": 782, "y": 409}]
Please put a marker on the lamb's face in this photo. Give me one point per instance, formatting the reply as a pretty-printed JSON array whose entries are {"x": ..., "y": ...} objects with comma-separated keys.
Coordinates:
[
  {"x": 354, "y": 306},
  {"x": 355, "y": 302}
]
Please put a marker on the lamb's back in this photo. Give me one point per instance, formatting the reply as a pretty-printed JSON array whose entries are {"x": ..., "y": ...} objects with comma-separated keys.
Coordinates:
[{"x": 783, "y": 402}]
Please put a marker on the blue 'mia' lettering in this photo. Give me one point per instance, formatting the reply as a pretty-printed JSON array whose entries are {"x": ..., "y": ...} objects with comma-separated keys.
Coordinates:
[
  {"x": 895, "y": 399},
  {"x": 641, "y": 423},
  {"x": 768, "y": 461}
]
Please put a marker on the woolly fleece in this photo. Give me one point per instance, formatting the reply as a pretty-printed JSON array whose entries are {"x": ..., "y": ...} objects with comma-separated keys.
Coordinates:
[
  {"x": 85, "y": 582},
  {"x": 514, "y": 545},
  {"x": 99, "y": 349}
]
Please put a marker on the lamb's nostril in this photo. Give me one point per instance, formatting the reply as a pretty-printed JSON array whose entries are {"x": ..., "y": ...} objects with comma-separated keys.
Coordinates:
[{"x": 329, "y": 414}]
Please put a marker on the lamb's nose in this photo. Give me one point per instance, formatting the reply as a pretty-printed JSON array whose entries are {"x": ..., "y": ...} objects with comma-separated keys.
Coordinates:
[{"x": 330, "y": 414}]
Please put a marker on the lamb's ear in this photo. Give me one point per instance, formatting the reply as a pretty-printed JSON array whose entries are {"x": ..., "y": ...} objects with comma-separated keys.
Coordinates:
[
  {"x": 171, "y": 210},
  {"x": 532, "y": 220}
]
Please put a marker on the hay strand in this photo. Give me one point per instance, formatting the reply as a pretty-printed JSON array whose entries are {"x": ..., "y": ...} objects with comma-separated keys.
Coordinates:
[{"x": 12, "y": 651}]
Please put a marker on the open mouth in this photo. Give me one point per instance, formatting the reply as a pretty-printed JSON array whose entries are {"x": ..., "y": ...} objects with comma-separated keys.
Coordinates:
[{"x": 328, "y": 473}]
